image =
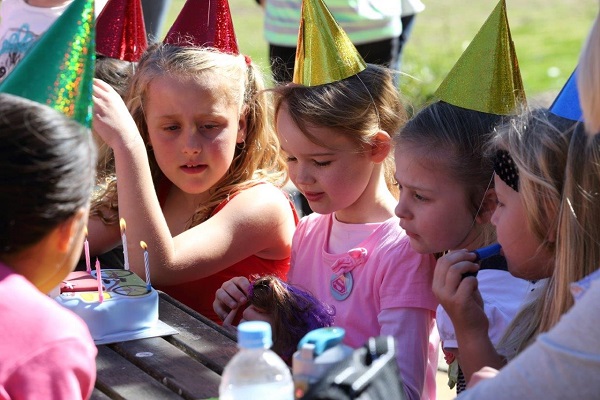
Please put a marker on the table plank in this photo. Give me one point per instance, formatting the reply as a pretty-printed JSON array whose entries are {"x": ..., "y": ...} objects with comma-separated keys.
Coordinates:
[
  {"x": 117, "y": 378},
  {"x": 98, "y": 395},
  {"x": 206, "y": 342},
  {"x": 171, "y": 366}
]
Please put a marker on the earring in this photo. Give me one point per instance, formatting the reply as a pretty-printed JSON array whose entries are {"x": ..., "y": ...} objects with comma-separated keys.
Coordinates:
[{"x": 241, "y": 146}]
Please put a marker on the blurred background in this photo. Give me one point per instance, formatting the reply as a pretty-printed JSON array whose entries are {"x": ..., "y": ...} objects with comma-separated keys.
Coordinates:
[{"x": 548, "y": 36}]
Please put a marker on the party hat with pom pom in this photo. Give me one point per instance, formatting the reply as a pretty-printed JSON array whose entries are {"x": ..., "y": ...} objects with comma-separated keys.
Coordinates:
[
  {"x": 59, "y": 68},
  {"x": 120, "y": 30},
  {"x": 486, "y": 77},
  {"x": 324, "y": 54},
  {"x": 204, "y": 23}
]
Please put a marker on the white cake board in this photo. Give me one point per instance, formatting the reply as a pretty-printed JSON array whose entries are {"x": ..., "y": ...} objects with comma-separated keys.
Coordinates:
[{"x": 160, "y": 329}]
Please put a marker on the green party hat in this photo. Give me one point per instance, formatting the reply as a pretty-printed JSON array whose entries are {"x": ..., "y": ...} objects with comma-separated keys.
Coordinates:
[
  {"x": 58, "y": 69},
  {"x": 324, "y": 54},
  {"x": 487, "y": 78}
]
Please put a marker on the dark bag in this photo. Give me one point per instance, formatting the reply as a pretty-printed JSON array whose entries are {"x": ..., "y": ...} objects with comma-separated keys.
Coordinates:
[{"x": 370, "y": 373}]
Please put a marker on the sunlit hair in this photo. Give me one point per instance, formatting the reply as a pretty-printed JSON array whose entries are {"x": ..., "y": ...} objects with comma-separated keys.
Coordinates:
[
  {"x": 294, "y": 312},
  {"x": 105, "y": 202},
  {"x": 356, "y": 107},
  {"x": 559, "y": 192},
  {"x": 588, "y": 79},
  {"x": 258, "y": 158},
  {"x": 453, "y": 140},
  {"x": 46, "y": 171}
]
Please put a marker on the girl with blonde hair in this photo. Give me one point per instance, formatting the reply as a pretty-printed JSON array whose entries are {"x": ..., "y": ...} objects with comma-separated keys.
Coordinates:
[{"x": 199, "y": 173}]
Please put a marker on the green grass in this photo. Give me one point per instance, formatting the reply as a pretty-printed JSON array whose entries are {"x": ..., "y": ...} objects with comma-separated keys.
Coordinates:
[{"x": 548, "y": 36}]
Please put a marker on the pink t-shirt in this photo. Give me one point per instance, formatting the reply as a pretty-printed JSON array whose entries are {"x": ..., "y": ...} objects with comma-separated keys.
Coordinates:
[
  {"x": 46, "y": 351},
  {"x": 387, "y": 276}
]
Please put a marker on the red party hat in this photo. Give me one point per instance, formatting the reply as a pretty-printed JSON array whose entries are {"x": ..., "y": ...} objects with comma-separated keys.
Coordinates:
[
  {"x": 120, "y": 30},
  {"x": 204, "y": 23}
]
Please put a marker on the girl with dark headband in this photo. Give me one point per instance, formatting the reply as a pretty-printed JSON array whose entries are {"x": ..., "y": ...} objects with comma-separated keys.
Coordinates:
[
  {"x": 563, "y": 362},
  {"x": 544, "y": 224}
]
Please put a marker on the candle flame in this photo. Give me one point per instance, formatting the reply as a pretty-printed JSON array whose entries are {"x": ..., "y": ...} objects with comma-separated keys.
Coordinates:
[
  {"x": 85, "y": 231},
  {"x": 144, "y": 245},
  {"x": 122, "y": 224}
]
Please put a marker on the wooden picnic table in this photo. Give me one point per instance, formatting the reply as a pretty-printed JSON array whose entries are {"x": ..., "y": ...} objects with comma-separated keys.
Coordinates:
[{"x": 187, "y": 365}]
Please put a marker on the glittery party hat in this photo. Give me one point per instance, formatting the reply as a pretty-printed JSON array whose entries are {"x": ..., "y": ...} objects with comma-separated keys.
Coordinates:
[
  {"x": 324, "y": 54},
  {"x": 120, "y": 30},
  {"x": 59, "y": 68},
  {"x": 566, "y": 104},
  {"x": 486, "y": 77},
  {"x": 204, "y": 23}
]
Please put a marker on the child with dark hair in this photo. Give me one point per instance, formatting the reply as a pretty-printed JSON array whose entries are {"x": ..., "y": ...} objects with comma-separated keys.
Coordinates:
[
  {"x": 291, "y": 311},
  {"x": 46, "y": 178}
]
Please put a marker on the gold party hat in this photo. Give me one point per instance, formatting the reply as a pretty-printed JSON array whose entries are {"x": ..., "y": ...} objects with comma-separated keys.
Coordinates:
[
  {"x": 487, "y": 78},
  {"x": 324, "y": 54}
]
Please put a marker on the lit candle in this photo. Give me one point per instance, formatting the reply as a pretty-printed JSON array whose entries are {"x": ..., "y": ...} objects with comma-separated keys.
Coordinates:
[
  {"x": 124, "y": 240},
  {"x": 99, "y": 279},
  {"x": 146, "y": 265},
  {"x": 86, "y": 247}
]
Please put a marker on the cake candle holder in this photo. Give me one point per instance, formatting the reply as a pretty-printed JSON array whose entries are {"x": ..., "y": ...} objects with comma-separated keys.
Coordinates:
[
  {"x": 124, "y": 240},
  {"x": 99, "y": 279},
  {"x": 86, "y": 247},
  {"x": 146, "y": 264}
]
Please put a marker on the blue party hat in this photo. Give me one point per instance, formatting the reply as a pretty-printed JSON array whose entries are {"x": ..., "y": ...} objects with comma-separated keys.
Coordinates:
[{"x": 566, "y": 104}]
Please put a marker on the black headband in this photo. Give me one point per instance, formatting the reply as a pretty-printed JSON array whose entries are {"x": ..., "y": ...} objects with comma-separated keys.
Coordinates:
[{"x": 505, "y": 168}]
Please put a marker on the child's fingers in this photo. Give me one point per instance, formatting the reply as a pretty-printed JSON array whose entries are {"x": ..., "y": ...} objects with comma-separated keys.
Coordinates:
[{"x": 228, "y": 321}]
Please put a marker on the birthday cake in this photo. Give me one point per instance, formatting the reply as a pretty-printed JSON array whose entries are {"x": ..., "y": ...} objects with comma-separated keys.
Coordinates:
[{"x": 127, "y": 305}]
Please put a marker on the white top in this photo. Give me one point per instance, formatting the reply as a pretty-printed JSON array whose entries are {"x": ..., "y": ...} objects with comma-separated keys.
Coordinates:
[
  {"x": 21, "y": 25},
  {"x": 503, "y": 295},
  {"x": 563, "y": 363}
]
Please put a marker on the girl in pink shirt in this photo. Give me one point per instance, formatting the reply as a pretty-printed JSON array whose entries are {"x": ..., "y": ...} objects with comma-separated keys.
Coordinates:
[
  {"x": 351, "y": 252},
  {"x": 46, "y": 179}
]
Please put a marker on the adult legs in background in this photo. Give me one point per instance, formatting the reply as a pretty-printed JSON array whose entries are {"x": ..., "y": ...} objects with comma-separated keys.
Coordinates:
[
  {"x": 155, "y": 14},
  {"x": 383, "y": 52},
  {"x": 408, "y": 23},
  {"x": 282, "y": 62}
]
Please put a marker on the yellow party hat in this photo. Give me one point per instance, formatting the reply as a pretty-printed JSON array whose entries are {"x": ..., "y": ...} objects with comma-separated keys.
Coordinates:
[
  {"x": 487, "y": 78},
  {"x": 324, "y": 54}
]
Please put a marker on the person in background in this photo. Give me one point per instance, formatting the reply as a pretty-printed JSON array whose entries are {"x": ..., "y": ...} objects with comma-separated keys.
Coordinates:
[
  {"x": 22, "y": 22},
  {"x": 46, "y": 179},
  {"x": 374, "y": 27},
  {"x": 410, "y": 9},
  {"x": 155, "y": 15}
]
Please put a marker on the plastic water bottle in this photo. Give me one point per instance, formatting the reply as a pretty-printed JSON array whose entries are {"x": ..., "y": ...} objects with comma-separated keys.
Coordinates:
[{"x": 256, "y": 372}]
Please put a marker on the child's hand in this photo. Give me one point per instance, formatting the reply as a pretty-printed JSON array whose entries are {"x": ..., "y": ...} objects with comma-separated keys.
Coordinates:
[
  {"x": 460, "y": 297},
  {"x": 112, "y": 121},
  {"x": 230, "y": 297}
]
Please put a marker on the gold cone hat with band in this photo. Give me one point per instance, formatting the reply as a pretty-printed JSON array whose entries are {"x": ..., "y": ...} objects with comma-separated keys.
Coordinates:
[
  {"x": 487, "y": 78},
  {"x": 324, "y": 54}
]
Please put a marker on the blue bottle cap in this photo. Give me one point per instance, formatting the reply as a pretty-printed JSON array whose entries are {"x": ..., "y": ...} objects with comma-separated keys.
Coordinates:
[
  {"x": 487, "y": 251},
  {"x": 323, "y": 339},
  {"x": 254, "y": 335}
]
